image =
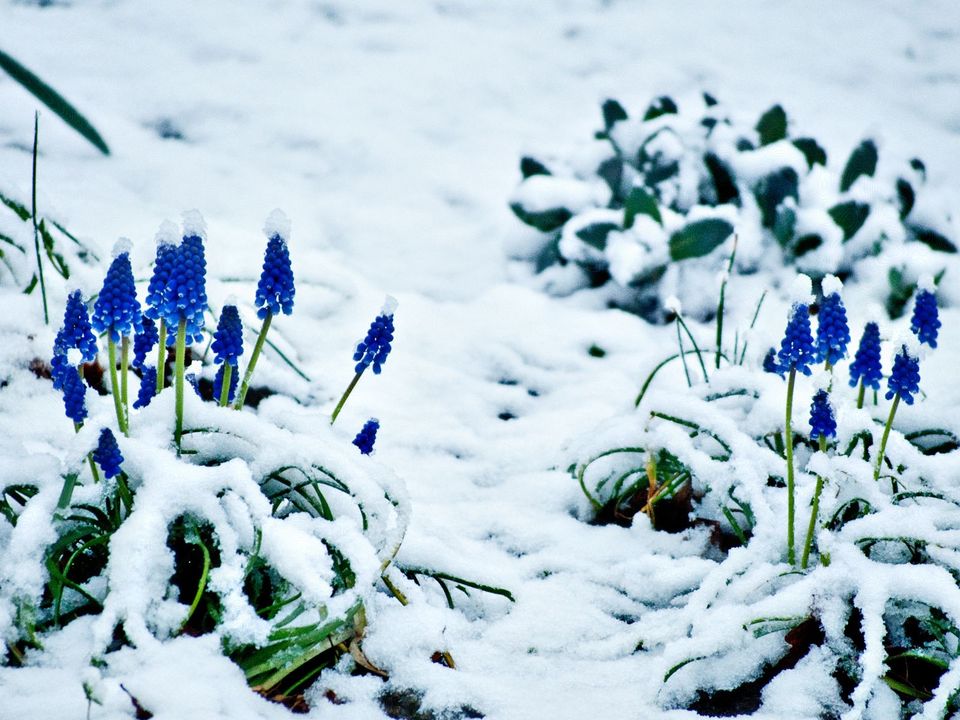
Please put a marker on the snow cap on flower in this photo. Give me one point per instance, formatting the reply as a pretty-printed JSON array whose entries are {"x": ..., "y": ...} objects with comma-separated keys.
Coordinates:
[
  {"x": 77, "y": 332},
  {"x": 925, "y": 322},
  {"x": 796, "y": 348},
  {"x": 905, "y": 377},
  {"x": 107, "y": 454},
  {"x": 801, "y": 290},
  {"x": 218, "y": 384},
  {"x": 148, "y": 386},
  {"x": 276, "y": 289},
  {"x": 74, "y": 393},
  {"x": 185, "y": 295},
  {"x": 167, "y": 240},
  {"x": 833, "y": 333},
  {"x": 144, "y": 341},
  {"x": 228, "y": 339},
  {"x": 375, "y": 347},
  {"x": 866, "y": 363},
  {"x": 367, "y": 436},
  {"x": 117, "y": 311},
  {"x": 822, "y": 422}
]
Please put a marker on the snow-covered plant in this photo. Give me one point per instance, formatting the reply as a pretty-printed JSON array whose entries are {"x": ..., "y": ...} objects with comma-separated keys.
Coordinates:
[
  {"x": 868, "y": 611},
  {"x": 644, "y": 209}
]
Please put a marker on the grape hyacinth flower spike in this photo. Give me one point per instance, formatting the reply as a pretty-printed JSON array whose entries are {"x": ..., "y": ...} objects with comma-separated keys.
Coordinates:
[
  {"x": 117, "y": 313},
  {"x": 865, "y": 369},
  {"x": 275, "y": 290},
  {"x": 143, "y": 342},
  {"x": 796, "y": 354},
  {"x": 372, "y": 350},
  {"x": 823, "y": 425},
  {"x": 228, "y": 347},
  {"x": 833, "y": 333},
  {"x": 163, "y": 266},
  {"x": 76, "y": 334},
  {"x": 184, "y": 303},
  {"x": 107, "y": 454},
  {"x": 925, "y": 322},
  {"x": 770, "y": 362},
  {"x": 904, "y": 383},
  {"x": 367, "y": 436},
  {"x": 148, "y": 383}
]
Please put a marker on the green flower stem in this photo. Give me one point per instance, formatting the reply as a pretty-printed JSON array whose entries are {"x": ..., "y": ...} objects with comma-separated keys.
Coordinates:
[
  {"x": 886, "y": 435},
  {"x": 33, "y": 213},
  {"x": 863, "y": 389},
  {"x": 693, "y": 340},
  {"x": 251, "y": 366},
  {"x": 791, "y": 553},
  {"x": 225, "y": 391},
  {"x": 124, "y": 364},
  {"x": 114, "y": 385},
  {"x": 346, "y": 394},
  {"x": 162, "y": 357},
  {"x": 181, "y": 353},
  {"x": 93, "y": 465},
  {"x": 814, "y": 511}
]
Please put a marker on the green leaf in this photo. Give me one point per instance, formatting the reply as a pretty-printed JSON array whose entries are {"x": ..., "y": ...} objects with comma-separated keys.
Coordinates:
[
  {"x": 932, "y": 239},
  {"x": 611, "y": 170},
  {"x": 595, "y": 235},
  {"x": 53, "y": 100},
  {"x": 723, "y": 181},
  {"x": 812, "y": 151},
  {"x": 530, "y": 166},
  {"x": 850, "y": 216},
  {"x": 907, "y": 197},
  {"x": 784, "y": 226},
  {"x": 545, "y": 220},
  {"x": 863, "y": 161},
  {"x": 662, "y": 105},
  {"x": 772, "y": 125},
  {"x": 806, "y": 243},
  {"x": 21, "y": 210},
  {"x": 773, "y": 190},
  {"x": 640, "y": 202},
  {"x": 59, "y": 264},
  {"x": 709, "y": 100},
  {"x": 900, "y": 293},
  {"x": 699, "y": 238},
  {"x": 613, "y": 113}
]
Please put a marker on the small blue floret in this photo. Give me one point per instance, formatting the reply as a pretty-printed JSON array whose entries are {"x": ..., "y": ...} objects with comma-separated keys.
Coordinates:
[
  {"x": 822, "y": 421},
  {"x": 107, "y": 454},
  {"x": 905, "y": 376},
  {"x": 367, "y": 436}
]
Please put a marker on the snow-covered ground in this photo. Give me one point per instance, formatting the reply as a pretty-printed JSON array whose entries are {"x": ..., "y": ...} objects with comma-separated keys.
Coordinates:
[{"x": 390, "y": 133}]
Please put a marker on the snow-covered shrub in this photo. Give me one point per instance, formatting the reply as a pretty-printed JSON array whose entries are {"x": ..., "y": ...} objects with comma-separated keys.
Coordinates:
[
  {"x": 183, "y": 516},
  {"x": 858, "y": 612},
  {"x": 646, "y": 208}
]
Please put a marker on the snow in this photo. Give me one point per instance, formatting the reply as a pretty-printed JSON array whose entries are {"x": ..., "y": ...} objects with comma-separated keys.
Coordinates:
[
  {"x": 397, "y": 165},
  {"x": 277, "y": 224}
]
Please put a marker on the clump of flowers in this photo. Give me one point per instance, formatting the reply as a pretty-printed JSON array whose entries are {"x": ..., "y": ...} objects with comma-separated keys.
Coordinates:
[{"x": 367, "y": 436}]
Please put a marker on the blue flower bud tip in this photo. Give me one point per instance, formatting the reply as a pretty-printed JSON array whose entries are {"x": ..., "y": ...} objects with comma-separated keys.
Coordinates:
[
  {"x": 117, "y": 311},
  {"x": 796, "y": 349},
  {"x": 925, "y": 322},
  {"x": 228, "y": 339},
  {"x": 866, "y": 364},
  {"x": 76, "y": 332},
  {"x": 276, "y": 289},
  {"x": 822, "y": 421},
  {"x": 107, "y": 454},
  {"x": 367, "y": 436},
  {"x": 905, "y": 377},
  {"x": 375, "y": 347},
  {"x": 148, "y": 386},
  {"x": 833, "y": 333}
]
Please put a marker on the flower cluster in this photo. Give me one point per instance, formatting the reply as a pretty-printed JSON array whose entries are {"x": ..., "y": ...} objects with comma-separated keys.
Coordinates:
[
  {"x": 865, "y": 367},
  {"x": 367, "y": 436},
  {"x": 833, "y": 334},
  {"x": 185, "y": 295},
  {"x": 904, "y": 379},
  {"x": 822, "y": 422},
  {"x": 275, "y": 290},
  {"x": 925, "y": 322},
  {"x": 117, "y": 311},
  {"x": 375, "y": 347},
  {"x": 228, "y": 339},
  {"x": 107, "y": 454},
  {"x": 796, "y": 349},
  {"x": 144, "y": 341}
]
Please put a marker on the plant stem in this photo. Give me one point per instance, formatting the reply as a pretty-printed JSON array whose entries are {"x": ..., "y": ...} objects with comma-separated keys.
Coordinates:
[
  {"x": 886, "y": 435},
  {"x": 863, "y": 389},
  {"x": 114, "y": 386},
  {"x": 791, "y": 554},
  {"x": 346, "y": 394},
  {"x": 693, "y": 340},
  {"x": 225, "y": 390},
  {"x": 683, "y": 355},
  {"x": 124, "y": 360},
  {"x": 720, "y": 304},
  {"x": 162, "y": 356},
  {"x": 36, "y": 229},
  {"x": 251, "y": 366},
  {"x": 814, "y": 511},
  {"x": 181, "y": 352}
]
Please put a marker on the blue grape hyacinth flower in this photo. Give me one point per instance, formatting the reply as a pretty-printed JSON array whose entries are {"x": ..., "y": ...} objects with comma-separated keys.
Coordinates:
[
  {"x": 276, "y": 290},
  {"x": 770, "y": 362},
  {"x": 367, "y": 436},
  {"x": 925, "y": 322},
  {"x": 904, "y": 381},
  {"x": 185, "y": 296},
  {"x": 375, "y": 347},
  {"x": 796, "y": 349},
  {"x": 148, "y": 386},
  {"x": 163, "y": 265},
  {"x": 107, "y": 454},
  {"x": 77, "y": 331},
  {"x": 144, "y": 341},
  {"x": 822, "y": 422},
  {"x": 228, "y": 339},
  {"x": 865, "y": 367},
  {"x": 74, "y": 394},
  {"x": 833, "y": 333},
  {"x": 117, "y": 311}
]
